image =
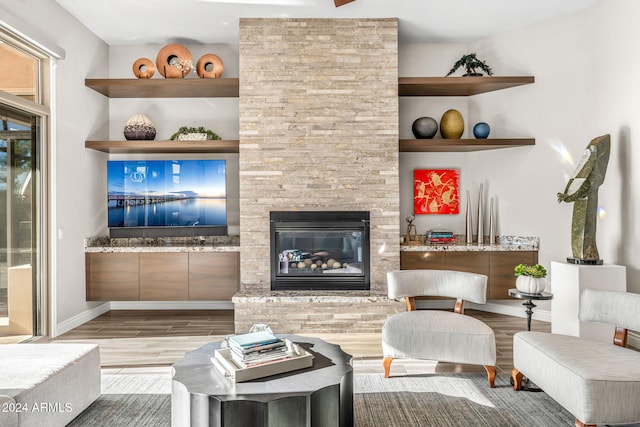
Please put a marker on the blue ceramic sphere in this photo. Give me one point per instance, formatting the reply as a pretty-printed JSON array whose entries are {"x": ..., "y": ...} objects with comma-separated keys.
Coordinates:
[{"x": 481, "y": 130}]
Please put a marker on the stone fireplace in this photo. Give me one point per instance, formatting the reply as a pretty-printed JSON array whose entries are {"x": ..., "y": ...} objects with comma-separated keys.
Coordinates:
[{"x": 318, "y": 132}]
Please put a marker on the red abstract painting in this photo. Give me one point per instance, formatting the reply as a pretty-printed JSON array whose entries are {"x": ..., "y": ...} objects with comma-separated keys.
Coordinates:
[{"x": 436, "y": 191}]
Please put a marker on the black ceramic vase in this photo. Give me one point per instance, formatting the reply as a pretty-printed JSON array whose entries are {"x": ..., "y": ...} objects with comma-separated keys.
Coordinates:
[{"x": 424, "y": 128}]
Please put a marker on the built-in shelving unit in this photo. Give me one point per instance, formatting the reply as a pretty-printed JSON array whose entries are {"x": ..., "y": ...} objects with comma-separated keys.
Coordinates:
[
  {"x": 457, "y": 86},
  {"x": 166, "y": 88},
  {"x": 461, "y": 145},
  {"x": 229, "y": 88},
  {"x": 131, "y": 147}
]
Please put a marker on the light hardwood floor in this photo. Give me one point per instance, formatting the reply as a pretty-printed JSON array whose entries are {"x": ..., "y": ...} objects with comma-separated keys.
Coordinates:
[{"x": 141, "y": 341}]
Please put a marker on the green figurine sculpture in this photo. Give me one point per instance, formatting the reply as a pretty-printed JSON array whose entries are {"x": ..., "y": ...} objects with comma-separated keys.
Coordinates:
[{"x": 582, "y": 190}]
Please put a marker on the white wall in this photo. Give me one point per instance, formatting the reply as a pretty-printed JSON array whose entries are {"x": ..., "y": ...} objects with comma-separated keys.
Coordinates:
[
  {"x": 585, "y": 81},
  {"x": 78, "y": 112},
  {"x": 585, "y": 86}
]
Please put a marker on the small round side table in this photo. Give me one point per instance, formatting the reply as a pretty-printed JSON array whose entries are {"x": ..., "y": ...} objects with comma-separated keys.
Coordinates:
[{"x": 544, "y": 296}]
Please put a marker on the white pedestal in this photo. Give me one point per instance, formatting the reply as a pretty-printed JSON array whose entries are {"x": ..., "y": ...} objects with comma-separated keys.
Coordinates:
[{"x": 567, "y": 282}]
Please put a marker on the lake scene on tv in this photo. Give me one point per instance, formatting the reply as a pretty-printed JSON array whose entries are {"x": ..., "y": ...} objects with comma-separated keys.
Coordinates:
[{"x": 166, "y": 193}]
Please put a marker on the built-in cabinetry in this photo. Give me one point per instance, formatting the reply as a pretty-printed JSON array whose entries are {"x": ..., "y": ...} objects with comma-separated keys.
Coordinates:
[
  {"x": 162, "y": 276},
  {"x": 229, "y": 87},
  {"x": 496, "y": 265}
]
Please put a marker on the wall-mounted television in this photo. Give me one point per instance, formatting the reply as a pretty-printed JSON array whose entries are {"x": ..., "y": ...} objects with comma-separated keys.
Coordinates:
[{"x": 166, "y": 198}]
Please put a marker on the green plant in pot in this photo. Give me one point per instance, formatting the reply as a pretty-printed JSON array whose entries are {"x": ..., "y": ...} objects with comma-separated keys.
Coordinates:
[
  {"x": 471, "y": 62},
  {"x": 192, "y": 133},
  {"x": 530, "y": 278}
]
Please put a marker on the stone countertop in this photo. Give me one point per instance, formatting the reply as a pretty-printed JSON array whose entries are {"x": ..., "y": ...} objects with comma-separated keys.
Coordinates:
[
  {"x": 163, "y": 244},
  {"x": 503, "y": 244}
]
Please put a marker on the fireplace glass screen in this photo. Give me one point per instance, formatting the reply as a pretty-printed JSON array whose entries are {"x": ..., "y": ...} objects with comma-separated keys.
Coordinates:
[{"x": 331, "y": 253}]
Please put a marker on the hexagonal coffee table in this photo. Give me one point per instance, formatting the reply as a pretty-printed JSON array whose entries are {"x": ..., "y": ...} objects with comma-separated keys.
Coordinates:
[{"x": 321, "y": 395}]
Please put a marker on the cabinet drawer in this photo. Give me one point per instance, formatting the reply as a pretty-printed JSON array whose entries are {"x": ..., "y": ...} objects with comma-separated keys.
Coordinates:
[
  {"x": 422, "y": 260},
  {"x": 213, "y": 276},
  {"x": 112, "y": 276},
  {"x": 164, "y": 276},
  {"x": 501, "y": 265},
  {"x": 470, "y": 262}
]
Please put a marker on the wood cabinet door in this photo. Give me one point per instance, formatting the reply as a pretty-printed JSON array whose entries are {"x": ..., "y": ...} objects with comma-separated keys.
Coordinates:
[
  {"x": 112, "y": 276},
  {"x": 422, "y": 260},
  {"x": 501, "y": 266},
  {"x": 470, "y": 262},
  {"x": 213, "y": 276},
  {"x": 164, "y": 276}
]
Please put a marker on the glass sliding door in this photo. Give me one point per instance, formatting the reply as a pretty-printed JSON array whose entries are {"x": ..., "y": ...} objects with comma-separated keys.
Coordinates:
[{"x": 20, "y": 222}]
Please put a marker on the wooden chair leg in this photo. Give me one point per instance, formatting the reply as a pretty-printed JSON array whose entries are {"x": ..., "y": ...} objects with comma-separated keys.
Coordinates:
[
  {"x": 581, "y": 424},
  {"x": 387, "y": 366},
  {"x": 517, "y": 379},
  {"x": 491, "y": 375}
]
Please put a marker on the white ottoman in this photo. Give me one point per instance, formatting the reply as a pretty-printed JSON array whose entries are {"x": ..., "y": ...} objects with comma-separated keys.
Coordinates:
[{"x": 47, "y": 385}]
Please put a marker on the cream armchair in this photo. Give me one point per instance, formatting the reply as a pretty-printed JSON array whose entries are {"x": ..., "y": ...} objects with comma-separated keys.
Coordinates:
[{"x": 436, "y": 334}]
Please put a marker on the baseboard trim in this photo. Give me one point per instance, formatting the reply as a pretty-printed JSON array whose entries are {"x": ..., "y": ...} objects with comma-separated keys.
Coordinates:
[
  {"x": 79, "y": 319},
  {"x": 171, "y": 305},
  {"x": 491, "y": 307}
]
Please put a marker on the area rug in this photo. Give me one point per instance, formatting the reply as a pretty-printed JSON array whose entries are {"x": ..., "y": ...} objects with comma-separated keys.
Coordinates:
[
  {"x": 445, "y": 400},
  {"x": 441, "y": 400}
]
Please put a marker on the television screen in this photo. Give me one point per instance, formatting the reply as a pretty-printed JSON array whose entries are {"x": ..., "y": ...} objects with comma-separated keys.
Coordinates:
[{"x": 166, "y": 193}]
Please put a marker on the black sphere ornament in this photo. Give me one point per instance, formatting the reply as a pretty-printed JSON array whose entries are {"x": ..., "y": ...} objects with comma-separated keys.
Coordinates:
[{"x": 424, "y": 128}]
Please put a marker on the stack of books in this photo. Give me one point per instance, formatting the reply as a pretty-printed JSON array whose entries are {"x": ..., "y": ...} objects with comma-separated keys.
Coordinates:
[
  {"x": 440, "y": 237},
  {"x": 257, "y": 348}
]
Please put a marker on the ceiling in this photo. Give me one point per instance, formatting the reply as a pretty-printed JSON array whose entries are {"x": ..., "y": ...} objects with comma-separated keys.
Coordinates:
[{"x": 120, "y": 22}]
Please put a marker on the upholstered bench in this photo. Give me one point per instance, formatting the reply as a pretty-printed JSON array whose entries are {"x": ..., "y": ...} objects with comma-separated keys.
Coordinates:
[
  {"x": 47, "y": 384},
  {"x": 598, "y": 383}
]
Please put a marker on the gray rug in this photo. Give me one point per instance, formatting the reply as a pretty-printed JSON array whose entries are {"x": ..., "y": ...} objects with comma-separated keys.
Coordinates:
[
  {"x": 422, "y": 400},
  {"x": 445, "y": 400}
]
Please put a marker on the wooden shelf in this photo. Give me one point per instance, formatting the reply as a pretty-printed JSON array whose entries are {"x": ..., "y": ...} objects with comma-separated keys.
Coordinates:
[
  {"x": 457, "y": 86},
  {"x": 131, "y": 147},
  {"x": 461, "y": 145},
  {"x": 166, "y": 88}
]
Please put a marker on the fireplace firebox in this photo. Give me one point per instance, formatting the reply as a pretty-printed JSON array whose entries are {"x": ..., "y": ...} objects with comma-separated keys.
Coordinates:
[{"x": 319, "y": 250}]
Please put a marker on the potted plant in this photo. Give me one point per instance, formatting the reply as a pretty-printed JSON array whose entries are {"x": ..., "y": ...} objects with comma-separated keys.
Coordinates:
[
  {"x": 194, "y": 134},
  {"x": 471, "y": 62},
  {"x": 530, "y": 278}
]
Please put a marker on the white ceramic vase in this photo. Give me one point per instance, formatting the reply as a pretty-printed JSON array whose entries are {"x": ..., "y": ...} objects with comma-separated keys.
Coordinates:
[{"x": 531, "y": 285}]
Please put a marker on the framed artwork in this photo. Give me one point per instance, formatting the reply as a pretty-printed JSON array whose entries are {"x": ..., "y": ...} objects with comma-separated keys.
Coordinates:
[{"x": 436, "y": 191}]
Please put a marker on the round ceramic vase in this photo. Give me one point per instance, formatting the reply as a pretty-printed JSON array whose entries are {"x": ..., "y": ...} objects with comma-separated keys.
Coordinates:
[
  {"x": 451, "y": 124},
  {"x": 481, "y": 130},
  {"x": 174, "y": 61},
  {"x": 424, "y": 128},
  {"x": 531, "y": 285},
  {"x": 139, "y": 127}
]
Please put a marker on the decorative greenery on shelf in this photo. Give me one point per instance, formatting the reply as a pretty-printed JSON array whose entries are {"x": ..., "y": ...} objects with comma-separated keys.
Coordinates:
[
  {"x": 536, "y": 271},
  {"x": 470, "y": 62},
  {"x": 186, "y": 130}
]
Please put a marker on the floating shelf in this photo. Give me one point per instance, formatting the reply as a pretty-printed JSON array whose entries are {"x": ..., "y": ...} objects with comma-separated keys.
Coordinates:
[
  {"x": 131, "y": 147},
  {"x": 461, "y": 145},
  {"x": 166, "y": 88},
  {"x": 457, "y": 86}
]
